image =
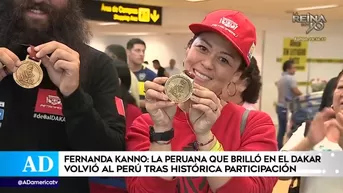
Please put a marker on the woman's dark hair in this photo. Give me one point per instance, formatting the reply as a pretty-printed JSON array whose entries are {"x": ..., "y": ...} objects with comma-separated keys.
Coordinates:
[
  {"x": 156, "y": 62},
  {"x": 340, "y": 75},
  {"x": 252, "y": 75},
  {"x": 125, "y": 79},
  {"x": 119, "y": 51},
  {"x": 241, "y": 68}
]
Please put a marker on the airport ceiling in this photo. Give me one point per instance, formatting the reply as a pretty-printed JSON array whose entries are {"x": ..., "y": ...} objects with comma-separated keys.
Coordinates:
[
  {"x": 273, "y": 9},
  {"x": 263, "y": 8}
]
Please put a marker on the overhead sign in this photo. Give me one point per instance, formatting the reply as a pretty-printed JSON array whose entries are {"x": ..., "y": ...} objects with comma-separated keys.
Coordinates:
[
  {"x": 296, "y": 50},
  {"x": 122, "y": 12}
]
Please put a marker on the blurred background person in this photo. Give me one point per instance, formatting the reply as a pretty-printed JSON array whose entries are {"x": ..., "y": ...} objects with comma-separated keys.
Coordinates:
[
  {"x": 171, "y": 70},
  {"x": 118, "y": 52},
  {"x": 132, "y": 111},
  {"x": 246, "y": 90},
  {"x": 161, "y": 72},
  {"x": 321, "y": 134},
  {"x": 328, "y": 93},
  {"x": 135, "y": 49},
  {"x": 287, "y": 91}
]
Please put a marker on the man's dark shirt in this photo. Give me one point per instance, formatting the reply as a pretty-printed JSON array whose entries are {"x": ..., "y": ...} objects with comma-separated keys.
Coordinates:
[
  {"x": 328, "y": 94},
  {"x": 34, "y": 120},
  {"x": 161, "y": 72}
]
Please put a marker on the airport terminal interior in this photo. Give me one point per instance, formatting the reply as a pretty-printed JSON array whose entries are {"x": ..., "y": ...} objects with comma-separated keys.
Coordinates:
[
  {"x": 307, "y": 31},
  {"x": 166, "y": 35},
  {"x": 297, "y": 52}
]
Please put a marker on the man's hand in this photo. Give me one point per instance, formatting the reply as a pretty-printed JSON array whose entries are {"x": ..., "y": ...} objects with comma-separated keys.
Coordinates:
[
  {"x": 63, "y": 65},
  {"x": 9, "y": 62}
]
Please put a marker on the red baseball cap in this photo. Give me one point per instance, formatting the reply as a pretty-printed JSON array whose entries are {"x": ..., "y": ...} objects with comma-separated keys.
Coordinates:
[{"x": 234, "y": 26}]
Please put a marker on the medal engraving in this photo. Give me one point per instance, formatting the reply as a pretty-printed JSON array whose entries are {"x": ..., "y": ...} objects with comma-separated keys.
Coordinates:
[
  {"x": 179, "y": 88},
  {"x": 29, "y": 74}
]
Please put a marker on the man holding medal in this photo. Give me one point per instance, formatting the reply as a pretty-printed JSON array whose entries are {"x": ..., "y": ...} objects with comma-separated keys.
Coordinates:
[{"x": 56, "y": 93}]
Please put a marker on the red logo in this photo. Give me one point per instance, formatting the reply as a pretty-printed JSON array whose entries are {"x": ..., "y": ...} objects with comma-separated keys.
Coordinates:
[
  {"x": 120, "y": 106},
  {"x": 48, "y": 102}
]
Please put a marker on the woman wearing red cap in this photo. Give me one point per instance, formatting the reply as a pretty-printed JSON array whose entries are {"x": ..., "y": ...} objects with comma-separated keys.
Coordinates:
[{"x": 217, "y": 55}]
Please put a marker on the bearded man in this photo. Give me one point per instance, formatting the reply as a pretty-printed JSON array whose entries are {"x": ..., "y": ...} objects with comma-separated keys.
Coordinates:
[{"x": 71, "y": 101}]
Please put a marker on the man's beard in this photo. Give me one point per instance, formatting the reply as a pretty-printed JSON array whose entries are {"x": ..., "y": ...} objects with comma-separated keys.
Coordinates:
[{"x": 66, "y": 25}]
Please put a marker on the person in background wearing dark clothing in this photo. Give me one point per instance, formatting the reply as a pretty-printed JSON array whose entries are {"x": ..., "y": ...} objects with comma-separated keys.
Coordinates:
[
  {"x": 136, "y": 52},
  {"x": 328, "y": 93},
  {"x": 133, "y": 111},
  {"x": 287, "y": 91},
  {"x": 161, "y": 72},
  {"x": 125, "y": 83},
  {"x": 116, "y": 51},
  {"x": 73, "y": 108},
  {"x": 117, "y": 184}
]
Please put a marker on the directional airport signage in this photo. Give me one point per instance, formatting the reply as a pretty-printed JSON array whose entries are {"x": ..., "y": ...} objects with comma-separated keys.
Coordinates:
[{"x": 122, "y": 12}]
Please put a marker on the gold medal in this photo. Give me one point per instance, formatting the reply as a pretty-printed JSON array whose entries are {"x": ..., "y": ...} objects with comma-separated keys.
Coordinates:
[
  {"x": 29, "y": 75},
  {"x": 179, "y": 87}
]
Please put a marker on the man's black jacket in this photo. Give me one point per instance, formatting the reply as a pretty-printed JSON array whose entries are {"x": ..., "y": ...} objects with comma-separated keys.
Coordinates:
[{"x": 34, "y": 120}]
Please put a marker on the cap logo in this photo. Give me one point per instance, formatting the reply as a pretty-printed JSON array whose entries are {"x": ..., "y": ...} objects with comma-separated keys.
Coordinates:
[
  {"x": 251, "y": 51},
  {"x": 228, "y": 23}
]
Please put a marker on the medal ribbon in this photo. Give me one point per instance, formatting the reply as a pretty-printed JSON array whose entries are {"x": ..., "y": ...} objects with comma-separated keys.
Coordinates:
[
  {"x": 189, "y": 74},
  {"x": 33, "y": 54}
]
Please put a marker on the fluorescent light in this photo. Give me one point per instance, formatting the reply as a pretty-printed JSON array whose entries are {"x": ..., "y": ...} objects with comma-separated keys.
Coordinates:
[
  {"x": 138, "y": 34},
  {"x": 195, "y": 0},
  {"x": 316, "y": 7},
  {"x": 108, "y": 23}
]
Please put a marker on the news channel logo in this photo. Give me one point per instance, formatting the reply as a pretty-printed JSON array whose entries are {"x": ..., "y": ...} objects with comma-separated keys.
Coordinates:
[
  {"x": 38, "y": 164},
  {"x": 312, "y": 22},
  {"x": 21, "y": 164}
]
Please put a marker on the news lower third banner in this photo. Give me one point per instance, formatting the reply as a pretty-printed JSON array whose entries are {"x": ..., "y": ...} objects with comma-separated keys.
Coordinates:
[{"x": 196, "y": 164}]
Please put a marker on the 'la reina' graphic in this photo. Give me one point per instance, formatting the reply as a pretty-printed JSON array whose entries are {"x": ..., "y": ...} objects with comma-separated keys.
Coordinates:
[{"x": 41, "y": 164}]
